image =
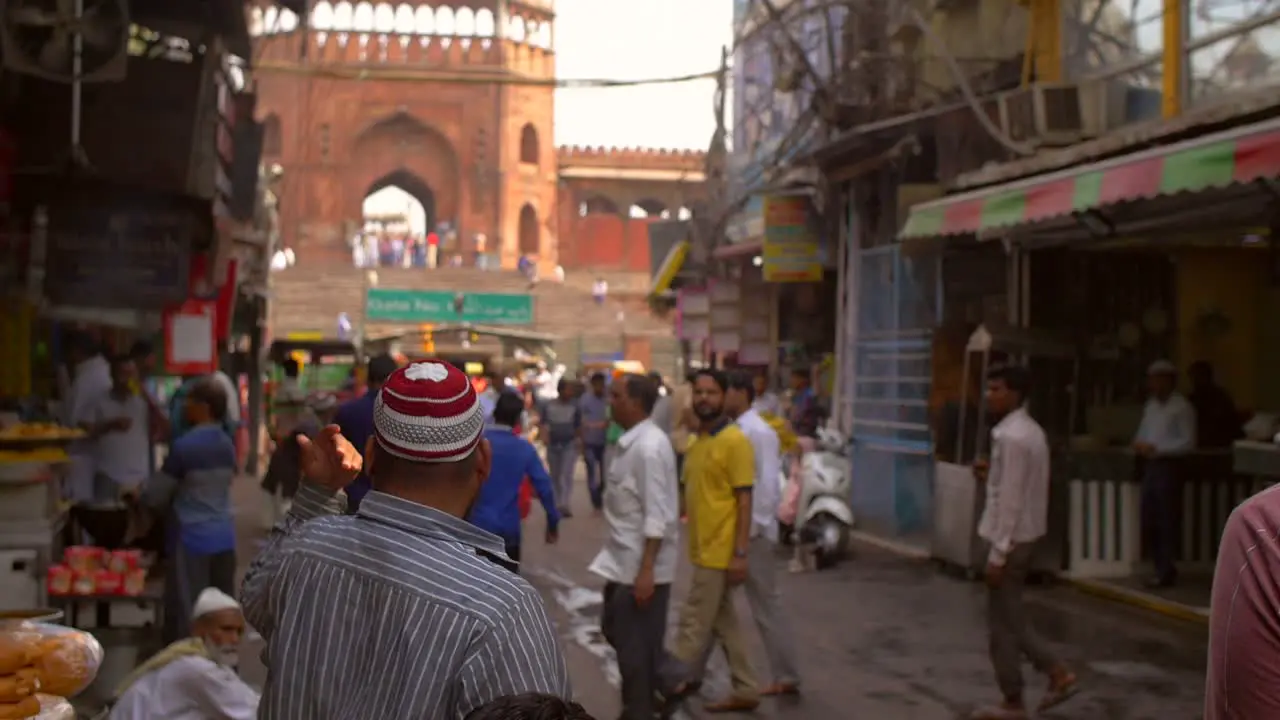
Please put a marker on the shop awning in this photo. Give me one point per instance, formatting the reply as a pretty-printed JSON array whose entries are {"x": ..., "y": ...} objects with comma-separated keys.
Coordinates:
[
  {"x": 669, "y": 268},
  {"x": 1218, "y": 160}
]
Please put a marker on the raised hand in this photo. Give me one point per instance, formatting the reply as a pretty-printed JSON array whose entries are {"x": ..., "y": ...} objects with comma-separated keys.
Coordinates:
[{"x": 329, "y": 459}]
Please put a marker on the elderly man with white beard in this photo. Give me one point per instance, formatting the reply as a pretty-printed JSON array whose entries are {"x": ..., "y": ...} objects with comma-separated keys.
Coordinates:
[{"x": 194, "y": 678}]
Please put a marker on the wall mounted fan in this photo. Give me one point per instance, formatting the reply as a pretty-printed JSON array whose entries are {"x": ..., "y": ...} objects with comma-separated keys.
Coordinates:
[{"x": 66, "y": 40}]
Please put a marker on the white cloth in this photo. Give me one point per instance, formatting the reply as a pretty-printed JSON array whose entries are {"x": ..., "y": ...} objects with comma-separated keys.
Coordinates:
[
  {"x": 767, "y": 493},
  {"x": 189, "y": 688},
  {"x": 1169, "y": 426},
  {"x": 212, "y": 600},
  {"x": 641, "y": 503},
  {"x": 123, "y": 455},
  {"x": 767, "y": 403},
  {"x": 1017, "y": 508},
  {"x": 92, "y": 380},
  {"x": 233, "y": 395}
]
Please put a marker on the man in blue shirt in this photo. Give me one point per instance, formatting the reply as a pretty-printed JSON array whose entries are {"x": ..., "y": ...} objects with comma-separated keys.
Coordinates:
[
  {"x": 355, "y": 417},
  {"x": 595, "y": 423},
  {"x": 194, "y": 488},
  {"x": 497, "y": 508}
]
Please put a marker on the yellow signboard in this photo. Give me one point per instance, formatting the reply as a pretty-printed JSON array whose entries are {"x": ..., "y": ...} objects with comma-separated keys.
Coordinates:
[{"x": 791, "y": 251}]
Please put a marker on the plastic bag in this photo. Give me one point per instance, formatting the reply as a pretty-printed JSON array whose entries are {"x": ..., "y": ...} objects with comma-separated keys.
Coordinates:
[
  {"x": 53, "y": 707},
  {"x": 63, "y": 661}
]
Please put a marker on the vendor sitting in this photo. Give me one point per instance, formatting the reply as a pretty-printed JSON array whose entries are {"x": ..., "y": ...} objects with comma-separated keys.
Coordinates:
[{"x": 194, "y": 678}]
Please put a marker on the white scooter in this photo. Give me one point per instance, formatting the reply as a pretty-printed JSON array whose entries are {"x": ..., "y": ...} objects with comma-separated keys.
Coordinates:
[{"x": 824, "y": 517}]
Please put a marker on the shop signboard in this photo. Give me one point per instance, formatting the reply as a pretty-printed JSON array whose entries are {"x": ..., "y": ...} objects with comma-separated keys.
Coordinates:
[
  {"x": 111, "y": 247},
  {"x": 792, "y": 252},
  {"x": 442, "y": 306}
]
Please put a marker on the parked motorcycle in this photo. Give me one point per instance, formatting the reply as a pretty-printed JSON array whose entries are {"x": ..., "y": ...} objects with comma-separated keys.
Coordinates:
[{"x": 824, "y": 517}]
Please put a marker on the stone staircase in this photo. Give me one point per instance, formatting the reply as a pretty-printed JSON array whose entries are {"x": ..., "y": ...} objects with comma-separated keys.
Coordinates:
[{"x": 309, "y": 299}]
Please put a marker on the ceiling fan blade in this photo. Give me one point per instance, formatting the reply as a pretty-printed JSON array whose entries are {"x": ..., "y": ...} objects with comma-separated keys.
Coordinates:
[
  {"x": 55, "y": 56},
  {"x": 33, "y": 17},
  {"x": 100, "y": 34}
]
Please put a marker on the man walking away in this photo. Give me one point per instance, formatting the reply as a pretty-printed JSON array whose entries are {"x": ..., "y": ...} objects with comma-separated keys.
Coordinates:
[
  {"x": 327, "y": 586},
  {"x": 355, "y": 417},
  {"x": 719, "y": 473},
  {"x": 497, "y": 510},
  {"x": 595, "y": 436},
  {"x": 762, "y": 583},
  {"x": 638, "y": 560},
  {"x": 562, "y": 427},
  {"x": 1167, "y": 432},
  {"x": 1014, "y": 519}
]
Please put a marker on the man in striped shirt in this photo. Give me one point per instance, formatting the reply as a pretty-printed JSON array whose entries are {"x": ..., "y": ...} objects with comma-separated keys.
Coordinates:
[{"x": 403, "y": 610}]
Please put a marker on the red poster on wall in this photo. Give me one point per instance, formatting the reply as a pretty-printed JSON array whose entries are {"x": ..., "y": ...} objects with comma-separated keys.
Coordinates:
[{"x": 190, "y": 338}]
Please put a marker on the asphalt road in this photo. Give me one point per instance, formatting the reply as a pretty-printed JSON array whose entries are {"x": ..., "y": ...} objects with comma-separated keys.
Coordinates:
[{"x": 880, "y": 637}]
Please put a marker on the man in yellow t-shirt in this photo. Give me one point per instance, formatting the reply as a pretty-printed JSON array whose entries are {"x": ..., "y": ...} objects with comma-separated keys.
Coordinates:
[{"x": 719, "y": 471}]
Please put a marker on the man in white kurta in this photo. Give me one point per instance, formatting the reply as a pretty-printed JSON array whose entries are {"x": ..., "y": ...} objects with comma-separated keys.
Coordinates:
[{"x": 195, "y": 678}]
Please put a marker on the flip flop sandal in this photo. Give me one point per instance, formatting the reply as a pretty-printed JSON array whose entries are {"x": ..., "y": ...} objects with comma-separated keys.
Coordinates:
[
  {"x": 996, "y": 712},
  {"x": 1057, "y": 696},
  {"x": 731, "y": 705},
  {"x": 669, "y": 703},
  {"x": 781, "y": 690}
]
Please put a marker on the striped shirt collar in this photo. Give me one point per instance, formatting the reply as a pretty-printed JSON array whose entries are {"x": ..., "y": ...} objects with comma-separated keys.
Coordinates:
[{"x": 422, "y": 520}]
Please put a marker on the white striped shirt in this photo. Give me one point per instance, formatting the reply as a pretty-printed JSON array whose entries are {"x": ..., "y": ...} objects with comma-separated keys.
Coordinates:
[{"x": 399, "y": 612}]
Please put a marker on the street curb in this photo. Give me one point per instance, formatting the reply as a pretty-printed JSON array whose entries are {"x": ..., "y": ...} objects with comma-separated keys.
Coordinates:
[
  {"x": 1139, "y": 599},
  {"x": 1133, "y": 598},
  {"x": 896, "y": 547}
]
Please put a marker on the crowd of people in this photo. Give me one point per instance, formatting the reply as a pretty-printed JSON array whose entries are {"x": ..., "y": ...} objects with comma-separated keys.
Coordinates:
[{"x": 406, "y": 512}]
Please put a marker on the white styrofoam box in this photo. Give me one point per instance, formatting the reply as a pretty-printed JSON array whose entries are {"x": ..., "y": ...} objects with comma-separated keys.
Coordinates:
[{"x": 21, "y": 585}]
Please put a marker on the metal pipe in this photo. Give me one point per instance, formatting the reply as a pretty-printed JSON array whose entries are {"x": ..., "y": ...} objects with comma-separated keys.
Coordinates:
[{"x": 1191, "y": 46}]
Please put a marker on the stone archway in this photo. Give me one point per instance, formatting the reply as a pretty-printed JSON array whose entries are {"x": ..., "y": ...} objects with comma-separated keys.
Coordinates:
[
  {"x": 412, "y": 185},
  {"x": 403, "y": 151}
]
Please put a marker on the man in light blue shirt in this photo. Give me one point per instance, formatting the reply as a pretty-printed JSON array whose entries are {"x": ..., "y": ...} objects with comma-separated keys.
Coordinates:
[
  {"x": 1168, "y": 430},
  {"x": 595, "y": 425}
]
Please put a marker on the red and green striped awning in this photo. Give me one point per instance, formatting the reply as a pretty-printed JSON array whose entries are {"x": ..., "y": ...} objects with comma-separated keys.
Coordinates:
[{"x": 1235, "y": 156}]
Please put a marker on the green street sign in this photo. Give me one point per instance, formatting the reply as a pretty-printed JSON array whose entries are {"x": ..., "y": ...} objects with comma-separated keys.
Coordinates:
[{"x": 437, "y": 306}]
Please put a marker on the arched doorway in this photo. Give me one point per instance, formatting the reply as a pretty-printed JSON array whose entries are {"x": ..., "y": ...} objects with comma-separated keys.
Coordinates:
[
  {"x": 530, "y": 233},
  {"x": 398, "y": 211},
  {"x": 597, "y": 205}
]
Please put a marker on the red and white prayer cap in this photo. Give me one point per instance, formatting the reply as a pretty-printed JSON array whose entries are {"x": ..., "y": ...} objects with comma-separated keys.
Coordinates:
[{"x": 428, "y": 412}]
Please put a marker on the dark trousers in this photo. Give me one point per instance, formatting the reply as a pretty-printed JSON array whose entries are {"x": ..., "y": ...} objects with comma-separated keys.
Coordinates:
[
  {"x": 637, "y": 636},
  {"x": 593, "y": 455},
  {"x": 189, "y": 574},
  {"x": 513, "y": 552},
  {"x": 1159, "y": 515},
  {"x": 1010, "y": 636}
]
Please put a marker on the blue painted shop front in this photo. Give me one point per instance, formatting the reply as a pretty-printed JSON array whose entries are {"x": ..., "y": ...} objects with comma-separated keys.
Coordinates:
[{"x": 899, "y": 300}]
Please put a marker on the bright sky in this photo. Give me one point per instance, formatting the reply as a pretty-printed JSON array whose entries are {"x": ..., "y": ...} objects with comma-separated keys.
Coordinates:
[{"x": 633, "y": 39}]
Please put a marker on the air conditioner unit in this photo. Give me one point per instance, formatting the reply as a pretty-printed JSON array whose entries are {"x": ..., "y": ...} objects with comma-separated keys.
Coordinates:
[
  {"x": 1103, "y": 106},
  {"x": 1043, "y": 114},
  {"x": 1057, "y": 114}
]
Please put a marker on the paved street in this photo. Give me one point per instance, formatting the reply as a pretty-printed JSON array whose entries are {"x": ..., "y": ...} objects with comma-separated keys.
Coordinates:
[{"x": 883, "y": 637}]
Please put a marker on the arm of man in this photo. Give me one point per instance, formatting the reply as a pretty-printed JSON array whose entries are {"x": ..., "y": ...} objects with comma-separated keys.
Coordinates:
[
  {"x": 541, "y": 481},
  {"x": 742, "y": 475},
  {"x": 216, "y": 690},
  {"x": 519, "y": 654},
  {"x": 1184, "y": 427},
  {"x": 1014, "y": 473},
  {"x": 769, "y": 465},
  {"x": 261, "y": 593},
  {"x": 659, "y": 501}
]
